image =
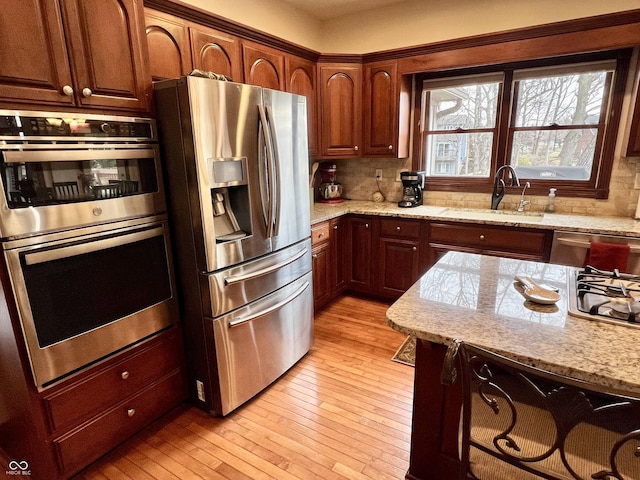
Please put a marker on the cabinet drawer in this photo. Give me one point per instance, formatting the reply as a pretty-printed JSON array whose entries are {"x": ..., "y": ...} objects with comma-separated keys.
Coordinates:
[
  {"x": 85, "y": 444},
  {"x": 393, "y": 227},
  {"x": 100, "y": 390},
  {"x": 485, "y": 237},
  {"x": 320, "y": 233}
]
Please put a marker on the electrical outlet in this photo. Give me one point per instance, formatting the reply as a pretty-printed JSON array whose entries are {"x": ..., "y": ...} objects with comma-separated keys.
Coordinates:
[
  {"x": 378, "y": 174},
  {"x": 200, "y": 388}
]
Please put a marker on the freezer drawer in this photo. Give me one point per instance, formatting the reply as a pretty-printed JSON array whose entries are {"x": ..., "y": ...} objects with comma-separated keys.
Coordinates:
[
  {"x": 237, "y": 286},
  {"x": 256, "y": 344}
]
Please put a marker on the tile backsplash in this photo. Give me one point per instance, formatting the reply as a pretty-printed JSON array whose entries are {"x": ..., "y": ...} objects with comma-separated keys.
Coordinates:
[{"x": 358, "y": 180}]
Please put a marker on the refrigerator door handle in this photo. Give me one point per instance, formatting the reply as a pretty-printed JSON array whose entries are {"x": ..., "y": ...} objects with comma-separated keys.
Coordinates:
[
  {"x": 277, "y": 183},
  {"x": 264, "y": 271},
  {"x": 270, "y": 174},
  {"x": 239, "y": 321}
]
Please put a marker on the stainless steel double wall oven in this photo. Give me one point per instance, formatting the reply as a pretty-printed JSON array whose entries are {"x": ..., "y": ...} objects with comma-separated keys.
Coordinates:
[{"x": 84, "y": 236}]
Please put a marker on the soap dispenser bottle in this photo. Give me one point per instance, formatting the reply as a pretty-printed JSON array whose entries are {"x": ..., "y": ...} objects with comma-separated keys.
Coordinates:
[{"x": 551, "y": 201}]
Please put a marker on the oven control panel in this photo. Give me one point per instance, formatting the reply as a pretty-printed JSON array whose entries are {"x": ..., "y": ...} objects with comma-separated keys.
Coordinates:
[{"x": 16, "y": 125}]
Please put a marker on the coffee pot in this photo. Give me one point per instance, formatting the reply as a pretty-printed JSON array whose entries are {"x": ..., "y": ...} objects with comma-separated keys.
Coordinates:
[{"x": 411, "y": 189}]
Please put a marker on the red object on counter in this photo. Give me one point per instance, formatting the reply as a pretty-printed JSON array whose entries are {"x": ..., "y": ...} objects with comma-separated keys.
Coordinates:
[{"x": 608, "y": 256}]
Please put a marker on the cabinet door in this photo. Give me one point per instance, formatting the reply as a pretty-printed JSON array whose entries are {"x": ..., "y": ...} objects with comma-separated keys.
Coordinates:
[
  {"x": 321, "y": 268},
  {"x": 399, "y": 262},
  {"x": 168, "y": 45},
  {"x": 380, "y": 110},
  {"x": 217, "y": 52},
  {"x": 34, "y": 67},
  {"x": 263, "y": 66},
  {"x": 105, "y": 39},
  {"x": 301, "y": 80},
  {"x": 338, "y": 245},
  {"x": 359, "y": 243},
  {"x": 340, "y": 110}
]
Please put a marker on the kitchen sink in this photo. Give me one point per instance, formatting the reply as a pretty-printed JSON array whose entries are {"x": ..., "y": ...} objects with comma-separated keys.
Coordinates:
[{"x": 482, "y": 214}]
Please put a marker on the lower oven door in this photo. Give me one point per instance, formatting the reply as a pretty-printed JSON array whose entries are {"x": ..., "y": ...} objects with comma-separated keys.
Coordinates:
[
  {"x": 81, "y": 298},
  {"x": 257, "y": 343}
]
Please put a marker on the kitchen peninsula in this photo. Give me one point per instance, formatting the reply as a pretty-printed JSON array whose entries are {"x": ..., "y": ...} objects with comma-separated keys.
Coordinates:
[{"x": 473, "y": 298}]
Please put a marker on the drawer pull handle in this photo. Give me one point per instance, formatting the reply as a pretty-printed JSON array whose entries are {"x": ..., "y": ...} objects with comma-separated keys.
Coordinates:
[
  {"x": 321, "y": 235},
  {"x": 124, "y": 375},
  {"x": 131, "y": 412},
  {"x": 481, "y": 237}
]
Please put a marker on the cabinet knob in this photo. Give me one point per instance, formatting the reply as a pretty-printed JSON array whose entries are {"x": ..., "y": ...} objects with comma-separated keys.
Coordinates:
[
  {"x": 366, "y": 225},
  {"x": 315, "y": 255},
  {"x": 356, "y": 148},
  {"x": 335, "y": 227},
  {"x": 415, "y": 249},
  {"x": 131, "y": 412},
  {"x": 124, "y": 375},
  {"x": 390, "y": 147},
  {"x": 321, "y": 234},
  {"x": 67, "y": 90},
  {"x": 398, "y": 229},
  {"x": 481, "y": 237},
  {"x": 86, "y": 91}
]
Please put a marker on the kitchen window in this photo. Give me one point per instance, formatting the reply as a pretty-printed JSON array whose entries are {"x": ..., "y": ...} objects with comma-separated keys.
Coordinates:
[{"x": 555, "y": 121}]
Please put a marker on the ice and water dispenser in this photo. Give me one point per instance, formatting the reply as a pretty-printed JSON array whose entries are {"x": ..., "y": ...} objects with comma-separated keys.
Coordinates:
[{"x": 230, "y": 198}]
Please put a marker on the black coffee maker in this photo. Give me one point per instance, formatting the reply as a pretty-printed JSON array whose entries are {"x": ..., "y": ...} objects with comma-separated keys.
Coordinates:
[{"x": 412, "y": 183}]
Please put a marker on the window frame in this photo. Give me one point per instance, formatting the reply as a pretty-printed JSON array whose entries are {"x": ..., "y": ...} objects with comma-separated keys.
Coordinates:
[{"x": 596, "y": 187}]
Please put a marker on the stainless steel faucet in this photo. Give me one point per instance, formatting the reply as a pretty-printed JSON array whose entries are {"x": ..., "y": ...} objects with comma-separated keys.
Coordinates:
[
  {"x": 499, "y": 185},
  {"x": 523, "y": 202}
]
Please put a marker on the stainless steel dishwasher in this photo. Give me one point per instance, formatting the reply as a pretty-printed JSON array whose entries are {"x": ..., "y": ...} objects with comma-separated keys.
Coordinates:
[{"x": 570, "y": 248}]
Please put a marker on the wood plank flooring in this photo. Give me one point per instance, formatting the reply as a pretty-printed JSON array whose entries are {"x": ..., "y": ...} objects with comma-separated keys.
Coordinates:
[{"x": 342, "y": 412}]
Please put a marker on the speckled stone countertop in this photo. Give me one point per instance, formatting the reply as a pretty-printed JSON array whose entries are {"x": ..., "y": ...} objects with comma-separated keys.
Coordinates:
[
  {"x": 474, "y": 298},
  {"x": 577, "y": 223}
]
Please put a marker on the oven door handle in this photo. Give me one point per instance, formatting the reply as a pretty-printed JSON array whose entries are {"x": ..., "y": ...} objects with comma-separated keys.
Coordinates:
[
  {"x": 230, "y": 280},
  {"x": 568, "y": 242},
  {"x": 67, "y": 251},
  {"x": 266, "y": 311},
  {"x": 27, "y": 156}
]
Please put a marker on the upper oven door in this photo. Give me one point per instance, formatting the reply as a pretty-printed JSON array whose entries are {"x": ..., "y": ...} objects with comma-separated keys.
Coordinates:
[{"x": 48, "y": 187}]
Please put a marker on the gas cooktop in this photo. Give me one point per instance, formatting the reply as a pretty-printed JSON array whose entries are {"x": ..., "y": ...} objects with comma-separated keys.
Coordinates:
[{"x": 604, "y": 295}]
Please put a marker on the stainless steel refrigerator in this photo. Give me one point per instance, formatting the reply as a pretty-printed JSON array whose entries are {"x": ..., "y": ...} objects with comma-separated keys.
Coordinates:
[{"x": 236, "y": 163}]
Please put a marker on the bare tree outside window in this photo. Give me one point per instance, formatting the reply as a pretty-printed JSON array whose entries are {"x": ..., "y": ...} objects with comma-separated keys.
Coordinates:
[
  {"x": 463, "y": 117},
  {"x": 556, "y": 127}
]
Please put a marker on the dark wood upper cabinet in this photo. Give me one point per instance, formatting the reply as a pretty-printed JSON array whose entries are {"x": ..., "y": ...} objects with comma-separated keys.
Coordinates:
[
  {"x": 34, "y": 67},
  {"x": 387, "y": 98},
  {"x": 263, "y": 66},
  {"x": 340, "y": 110},
  {"x": 105, "y": 41},
  {"x": 301, "y": 80},
  {"x": 214, "y": 51},
  {"x": 633, "y": 148},
  {"x": 86, "y": 53},
  {"x": 168, "y": 44}
]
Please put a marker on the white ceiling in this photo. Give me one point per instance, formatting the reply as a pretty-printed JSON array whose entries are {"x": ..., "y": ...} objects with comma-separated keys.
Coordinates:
[{"x": 328, "y": 9}]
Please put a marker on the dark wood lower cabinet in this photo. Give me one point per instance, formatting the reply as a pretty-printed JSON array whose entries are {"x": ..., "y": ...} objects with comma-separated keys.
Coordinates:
[
  {"x": 436, "y": 417},
  {"x": 63, "y": 429},
  {"x": 328, "y": 247}
]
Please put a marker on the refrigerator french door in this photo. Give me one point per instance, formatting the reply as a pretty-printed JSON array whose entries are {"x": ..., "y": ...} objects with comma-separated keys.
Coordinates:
[{"x": 237, "y": 169}]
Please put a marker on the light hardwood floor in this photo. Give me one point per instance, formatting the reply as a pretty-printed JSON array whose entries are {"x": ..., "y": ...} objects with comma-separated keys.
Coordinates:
[{"x": 342, "y": 412}]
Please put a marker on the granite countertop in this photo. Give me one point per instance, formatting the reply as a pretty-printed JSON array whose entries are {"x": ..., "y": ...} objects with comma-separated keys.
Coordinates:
[
  {"x": 549, "y": 221},
  {"x": 475, "y": 299}
]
